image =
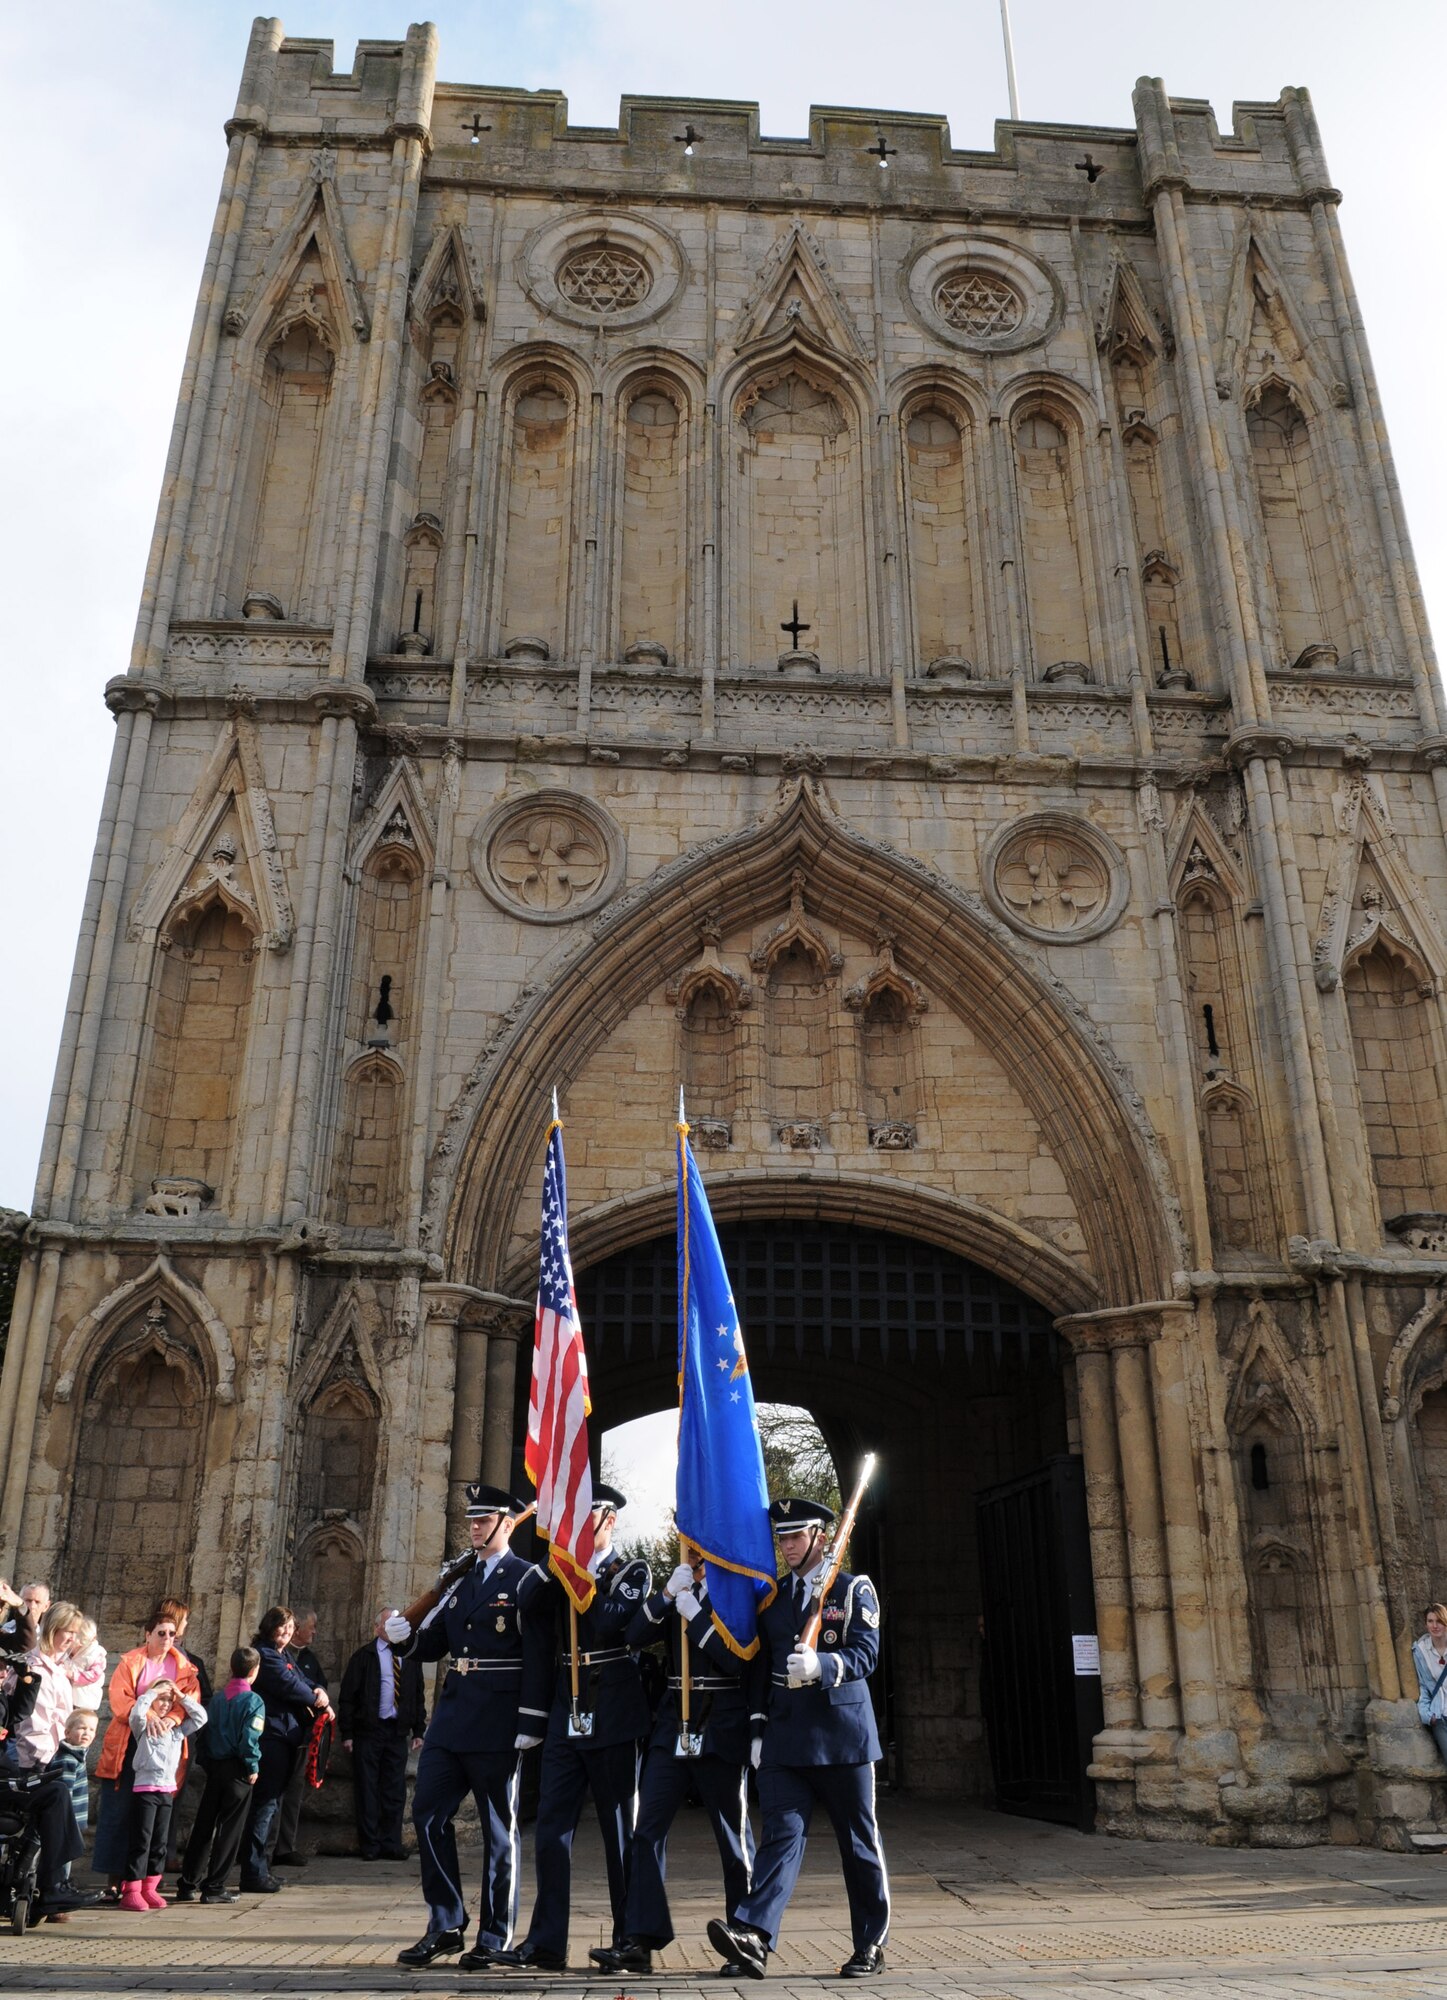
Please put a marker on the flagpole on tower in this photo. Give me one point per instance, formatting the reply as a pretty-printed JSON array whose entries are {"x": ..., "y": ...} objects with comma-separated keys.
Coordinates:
[{"x": 1009, "y": 58}]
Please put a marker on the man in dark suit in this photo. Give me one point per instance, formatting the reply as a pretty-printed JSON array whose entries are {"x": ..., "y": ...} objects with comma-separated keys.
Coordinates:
[
  {"x": 380, "y": 1711},
  {"x": 492, "y": 1705},
  {"x": 815, "y": 1743}
]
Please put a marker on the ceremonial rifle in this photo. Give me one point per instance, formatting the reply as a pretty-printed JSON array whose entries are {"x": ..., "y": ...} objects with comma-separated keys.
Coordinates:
[
  {"x": 452, "y": 1573},
  {"x": 810, "y": 1634}
]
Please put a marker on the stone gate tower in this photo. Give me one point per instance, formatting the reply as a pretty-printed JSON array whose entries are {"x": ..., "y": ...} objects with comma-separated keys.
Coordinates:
[{"x": 919, "y": 644}]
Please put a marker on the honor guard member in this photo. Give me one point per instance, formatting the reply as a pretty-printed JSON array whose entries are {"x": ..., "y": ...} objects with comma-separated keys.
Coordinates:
[
  {"x": 819, "y": 1745},
  {"x": 715, "y": 1755},
  {"x": 602, "y": 1757},
  {"x": 492, "y": 1624}
]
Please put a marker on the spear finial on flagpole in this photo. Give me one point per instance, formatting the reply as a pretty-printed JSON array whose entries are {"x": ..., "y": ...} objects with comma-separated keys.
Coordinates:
[
  {"x": 557, "y": 1115},
  {"x": 682, "y": 1121}
]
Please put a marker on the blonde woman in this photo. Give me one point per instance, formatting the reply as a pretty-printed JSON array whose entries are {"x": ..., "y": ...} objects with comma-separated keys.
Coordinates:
[
  {"x": 37, "y": 1738},
  {"x": 1429, "y": 1656}
]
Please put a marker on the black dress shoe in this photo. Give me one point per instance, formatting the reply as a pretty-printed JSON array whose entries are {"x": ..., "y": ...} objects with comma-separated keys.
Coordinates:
[
  {"x": 184, "y": 1892},
  {"x": 270, "y": 1887},
  {"x": 394, "y": 1854},
  {"x": 868, "y": 1960},
  {"x": 65, "y": 1897},
  {"x": 219, "y": 1896},
  {"x": 291, "y": 1859},
  {"x": 482, "y": 1958},
  {"x": 533, "y": 1957},
  {"x": 436, "y": 1944},
  {"x": 629, "y": 1955},
  {"x": 739, "y": 1946}
]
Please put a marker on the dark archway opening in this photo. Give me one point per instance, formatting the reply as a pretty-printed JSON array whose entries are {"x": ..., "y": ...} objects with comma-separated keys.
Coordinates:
[{"x": 952, "y": 1375}]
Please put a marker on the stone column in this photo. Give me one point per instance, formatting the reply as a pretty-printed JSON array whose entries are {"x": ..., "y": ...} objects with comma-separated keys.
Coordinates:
[
  {"x": 449, "y": 1308},
  {"x": 1109, "y": 1556},
  {"x": 510, "y": 1322}
]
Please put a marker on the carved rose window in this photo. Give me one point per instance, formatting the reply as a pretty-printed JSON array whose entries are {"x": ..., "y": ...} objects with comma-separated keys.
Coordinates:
[
  {"x": 976, "y": 302},
  {"x": 1051, "y": 882},
  {"x": 604, "y": 279},
  {"x": 550, "y": 861}
]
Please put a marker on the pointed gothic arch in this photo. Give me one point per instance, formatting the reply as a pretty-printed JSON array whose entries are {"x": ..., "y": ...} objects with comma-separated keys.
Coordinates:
[
  {"x": 1088, "y": 1110},
  {"x": 798, "y": 520}
]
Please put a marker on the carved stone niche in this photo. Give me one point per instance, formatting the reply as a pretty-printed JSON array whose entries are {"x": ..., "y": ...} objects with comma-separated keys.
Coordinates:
[
  {"x": 800, "y": 1135},
  {"x": 715, "y": 1135},
  {"x": 1069, "y": 673},
  {"x": 1423, "y": 1231},
  {"x": 178, "y": 1196},
  {"x": 261, "y": 604},
  {"x": 896, "y": 1135}
]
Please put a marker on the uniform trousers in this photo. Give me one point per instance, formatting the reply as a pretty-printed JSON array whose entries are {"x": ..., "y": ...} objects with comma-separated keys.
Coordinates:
[
  {"x": 573, "y": 1766},
  {"x": 444, "y": 1778},
  {"x": 379, "y": 1779},
  {"x": 723, "y": 1787},
  {"x": 787, "y": 1796},
  {"x": 216, "y": 1836}
]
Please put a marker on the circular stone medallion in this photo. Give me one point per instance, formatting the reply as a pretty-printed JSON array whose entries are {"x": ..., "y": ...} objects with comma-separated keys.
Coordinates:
[
  {"x": 1054, "y": 877},
  {"x": 550, "y": 858}
]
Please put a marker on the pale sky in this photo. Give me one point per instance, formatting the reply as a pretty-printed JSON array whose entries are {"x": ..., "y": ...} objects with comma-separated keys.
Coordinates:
[{"x": 115, "y": 151}]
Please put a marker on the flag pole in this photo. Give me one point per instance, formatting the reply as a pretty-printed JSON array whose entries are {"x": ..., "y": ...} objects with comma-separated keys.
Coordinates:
[
  {"x": 573, "y": 1659},
  {"x": 1009, "y": 58}
]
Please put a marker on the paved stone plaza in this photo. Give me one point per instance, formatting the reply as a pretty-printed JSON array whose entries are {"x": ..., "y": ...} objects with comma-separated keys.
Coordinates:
[{"x": 986, "y": 1908}]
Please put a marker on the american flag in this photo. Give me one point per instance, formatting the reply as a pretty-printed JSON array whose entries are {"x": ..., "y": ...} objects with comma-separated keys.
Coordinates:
[{"x": 558, "y": 1407}]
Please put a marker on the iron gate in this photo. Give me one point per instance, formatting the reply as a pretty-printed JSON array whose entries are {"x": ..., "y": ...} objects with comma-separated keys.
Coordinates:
[{"x": 1041, "y": 1714}]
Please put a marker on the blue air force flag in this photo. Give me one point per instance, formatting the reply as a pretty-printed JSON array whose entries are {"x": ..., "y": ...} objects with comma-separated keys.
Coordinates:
[{"x": 723, "y": 1500}]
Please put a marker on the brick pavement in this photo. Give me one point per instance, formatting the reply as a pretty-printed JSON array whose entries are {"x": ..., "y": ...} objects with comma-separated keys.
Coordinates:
[{"x": 985, "y": 1908}]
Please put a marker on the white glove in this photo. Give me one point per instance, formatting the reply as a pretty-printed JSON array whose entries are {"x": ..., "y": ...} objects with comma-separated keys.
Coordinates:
[
  {"x": 686, "y": 1605},
  {"x": 397, "y": 1629},
  {"x": 682, "y": 1579},
  {"x": 521, "y": 1742},
  {"x": 803, "y": 1667},
  {"x": 756, "y": 1751}
]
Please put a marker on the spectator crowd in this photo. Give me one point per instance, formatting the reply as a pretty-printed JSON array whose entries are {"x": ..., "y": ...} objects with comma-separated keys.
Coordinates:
[{"x": 246, "y": 1746}]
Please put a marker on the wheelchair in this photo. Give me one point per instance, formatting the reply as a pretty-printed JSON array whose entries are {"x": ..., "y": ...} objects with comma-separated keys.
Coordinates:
[{"x": 19, "y": 1851}]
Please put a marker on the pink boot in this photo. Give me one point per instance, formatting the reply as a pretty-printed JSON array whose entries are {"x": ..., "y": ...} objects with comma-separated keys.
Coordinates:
[
  {"x": 133, "y": 1898},
  {"x": 151, "y": 1891}
]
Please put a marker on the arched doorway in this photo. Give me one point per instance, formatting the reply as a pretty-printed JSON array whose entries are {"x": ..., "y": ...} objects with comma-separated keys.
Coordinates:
[{"x": 954, "y": 1376}]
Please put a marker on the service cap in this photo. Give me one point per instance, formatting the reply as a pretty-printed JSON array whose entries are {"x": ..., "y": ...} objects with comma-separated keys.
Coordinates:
[
  {"x": 490, "y": 1500},
  {"x": 791, "y": 1513},
  {"x": 609, "y": 1496}
]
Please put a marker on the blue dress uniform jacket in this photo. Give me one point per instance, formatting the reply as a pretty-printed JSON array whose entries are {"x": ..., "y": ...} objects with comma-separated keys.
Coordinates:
[
  {"x": 720, "y": 1704},
  {"x": 719, "y": 1712},
  {"x": 831, "y": 1722},
  {"x": 605, "y": 1761},
  {"x": 500, "y": 1621},
  {"x": 820, "y": 1746},
  {"x": 494, "y": 1626}
]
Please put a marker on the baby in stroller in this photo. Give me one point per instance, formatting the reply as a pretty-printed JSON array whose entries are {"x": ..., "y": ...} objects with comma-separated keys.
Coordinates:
[{"x": 38, "y": 1833}]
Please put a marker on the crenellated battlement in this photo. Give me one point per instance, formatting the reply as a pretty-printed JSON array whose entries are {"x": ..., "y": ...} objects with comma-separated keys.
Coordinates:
[{"x": 715, "y": 149}]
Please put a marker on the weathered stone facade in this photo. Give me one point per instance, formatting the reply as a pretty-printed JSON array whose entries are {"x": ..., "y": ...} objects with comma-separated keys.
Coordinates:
[{"x": 921, "y": 645}]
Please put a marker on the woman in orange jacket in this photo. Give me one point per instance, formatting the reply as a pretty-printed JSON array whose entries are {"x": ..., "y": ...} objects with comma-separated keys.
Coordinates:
[{"x": 156, "y": 1658}]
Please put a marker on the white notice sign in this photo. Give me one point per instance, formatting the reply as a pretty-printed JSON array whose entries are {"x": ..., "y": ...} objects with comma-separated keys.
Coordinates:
[{"x": 1086, "y": 1647}]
